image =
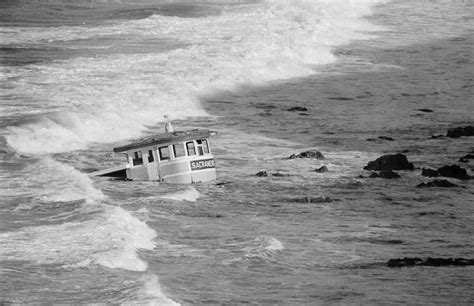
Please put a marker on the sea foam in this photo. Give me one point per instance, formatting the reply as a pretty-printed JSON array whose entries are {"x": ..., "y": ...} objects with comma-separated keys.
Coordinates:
[
  {"x": 151, "y": 293},
  {"x": 190, "y": 195},
  {"x": 111, "y": 240},
  {"x": 111, "y": 97}
]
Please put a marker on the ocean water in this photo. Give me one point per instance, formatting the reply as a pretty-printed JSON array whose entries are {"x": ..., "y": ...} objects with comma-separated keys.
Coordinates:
[{"x": 79, "y": 78}]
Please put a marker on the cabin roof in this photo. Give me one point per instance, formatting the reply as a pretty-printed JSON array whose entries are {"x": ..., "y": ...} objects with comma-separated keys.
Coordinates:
[{"x": 165, "y": 138}]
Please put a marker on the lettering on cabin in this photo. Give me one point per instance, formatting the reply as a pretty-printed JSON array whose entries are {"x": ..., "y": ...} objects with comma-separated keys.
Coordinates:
[{"x": 202, "y": 164}]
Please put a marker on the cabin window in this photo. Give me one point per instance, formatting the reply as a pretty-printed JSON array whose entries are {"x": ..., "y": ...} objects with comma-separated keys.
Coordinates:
[
  {"x": 137, "y": 158},
  {"x": 151, "y": 158},
  {"x": 202, "y": 146},
  {"x": 164, "y": 153},
  {"x": 190, "y": 147},
  {"x": 178, "y": 150}
]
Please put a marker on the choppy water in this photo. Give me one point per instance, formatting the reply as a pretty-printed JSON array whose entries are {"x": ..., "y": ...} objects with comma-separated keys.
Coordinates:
[{"x": 78, "y": 79}]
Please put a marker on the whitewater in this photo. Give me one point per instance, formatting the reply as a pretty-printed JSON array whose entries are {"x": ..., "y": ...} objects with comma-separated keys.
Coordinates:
[{"x": 78, "y": 79}]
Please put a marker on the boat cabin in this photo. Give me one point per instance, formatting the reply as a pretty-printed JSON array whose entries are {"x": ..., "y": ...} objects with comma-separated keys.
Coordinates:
[{"x": 172, "y": 157}]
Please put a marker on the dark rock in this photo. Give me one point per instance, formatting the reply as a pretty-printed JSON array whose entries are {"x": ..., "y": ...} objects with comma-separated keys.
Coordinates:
[
  {"x": 425, "y": 110},
  {"x": 431, "y": 262},
  {"x": 454, "y": 171},
  {"x": 297, "y": 109},
  {"x": 386, "y": 138},
  {"x": 429, "y": 172},
  {"x": 279, "y": 174},
  {"x": 381, "y": 138},
  {"x": 437, "y": 136},
  {"x": 322, "y": 169},
  {"x": 314, "y": 200},
  {"x": 466, "y": 158},
  {"x": 461, "y": 131},
  {"x": 388, "y": 174},
  {"x": 404, "y": 262},
  {"x": 262, "y": 173},
  {"x": 390, "y": 162},
  {"x": 308, "y": 154},
  {"x": 437, "y": 183}
]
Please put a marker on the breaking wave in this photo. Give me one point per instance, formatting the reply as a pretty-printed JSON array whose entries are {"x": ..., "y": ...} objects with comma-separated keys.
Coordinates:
[
  {"x": 111, "y": 241},
  {"x": 110, "y": 97}
]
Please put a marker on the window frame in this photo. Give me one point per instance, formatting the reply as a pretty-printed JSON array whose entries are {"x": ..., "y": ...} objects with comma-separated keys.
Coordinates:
[
  {"x": 183, "y": 150},
  {"x": 137, "y": 158},
  {"x": 151, "y": 157},
  {"x": 193, "y": 148},
  {"x": 160, "y": 153},
  {"x": 202, "y": 146}
]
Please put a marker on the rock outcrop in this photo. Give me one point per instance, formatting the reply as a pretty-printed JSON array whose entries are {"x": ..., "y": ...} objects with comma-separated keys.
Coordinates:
[
  {"x": 454, "y": 171},
  {"x": 386, "y": 174},
  {"x": 390, "y": 162},
  {"x": 429, "y": 173},
  {"x": 437, "y": 183},
  {"x": 461, "y": 131},
  {"x": 308, "y": 154}
]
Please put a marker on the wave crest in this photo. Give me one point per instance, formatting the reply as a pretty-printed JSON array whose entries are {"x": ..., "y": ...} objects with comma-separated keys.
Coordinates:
[{"x": 118, "y": 95}]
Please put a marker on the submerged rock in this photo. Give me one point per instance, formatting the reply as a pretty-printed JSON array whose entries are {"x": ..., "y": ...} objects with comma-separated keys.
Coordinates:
[
  {"x": 390, "y": 162},
  {"x": 314, "y": 200},
  {"x": 308, "y": 154},
  {"x": 386, "y": 174},
  {"x": 461, "y": 131},
  {"x": 432, "y": 262},
  {"x": 429, "y": 173},
  {"x": 381, "y": 138},
  {"x": 437, "y": 183},
  {"x": 322, "y": 169},
  {"x": 279, "y": 174},
  {"x": 386, "y": 138},
  {"x": 425, "y": 110},
  {"x": 297, "y": 109},
  {"x": 264, "y": 174},
  {"x": 454, "y": 171},
  {"x": 466, "y": 158}
]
